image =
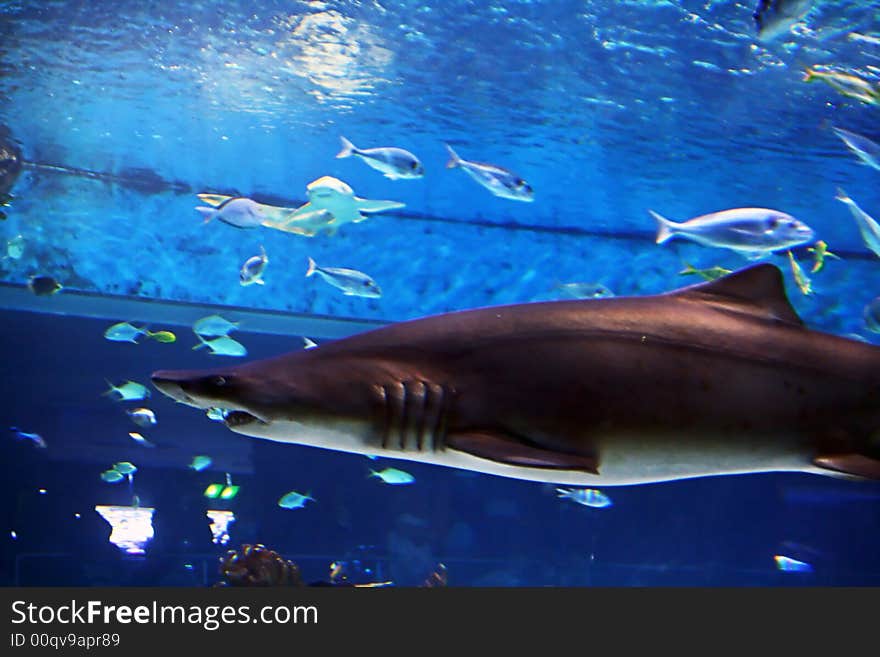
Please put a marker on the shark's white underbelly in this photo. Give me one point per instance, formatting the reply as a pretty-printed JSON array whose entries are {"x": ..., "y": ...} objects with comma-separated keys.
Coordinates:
[{"x": 625, "y": 460}]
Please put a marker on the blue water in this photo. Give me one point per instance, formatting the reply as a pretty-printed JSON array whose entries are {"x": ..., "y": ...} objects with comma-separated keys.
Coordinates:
[{"x": 125, "y": 110}]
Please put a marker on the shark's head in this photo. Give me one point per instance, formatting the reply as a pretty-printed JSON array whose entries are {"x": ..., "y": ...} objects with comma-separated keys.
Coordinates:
[
  {"x": 289, "y": 404},
  {"x": 327, "y": 187}
]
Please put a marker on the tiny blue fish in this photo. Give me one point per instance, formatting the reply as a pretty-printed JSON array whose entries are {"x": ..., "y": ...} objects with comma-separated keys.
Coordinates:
[
  {"x": 294, "y": 500},
  {"x": 35, "y": 438},
  {"x": 585, "y": 496},
  {"x": 200, "y": 462},
  {"x": 393, "y": 476}
]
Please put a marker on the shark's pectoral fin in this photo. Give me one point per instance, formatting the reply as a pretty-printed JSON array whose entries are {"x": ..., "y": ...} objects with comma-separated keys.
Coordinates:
[
  {"x": 367, "y": 205},
  {"x": 505, "y": 448},
  {"x": 850, "y": 464}
]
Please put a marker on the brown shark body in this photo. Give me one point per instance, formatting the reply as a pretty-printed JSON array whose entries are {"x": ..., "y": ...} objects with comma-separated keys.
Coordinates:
[{"x": 717, "y": 378}]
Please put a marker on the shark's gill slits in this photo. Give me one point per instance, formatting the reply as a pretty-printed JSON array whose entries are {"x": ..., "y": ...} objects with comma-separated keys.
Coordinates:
[{"x": 413, "y": 415}]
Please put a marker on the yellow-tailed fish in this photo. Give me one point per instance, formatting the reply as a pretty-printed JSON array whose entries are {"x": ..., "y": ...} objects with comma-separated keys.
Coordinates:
[{"x": 802, "y": 280}]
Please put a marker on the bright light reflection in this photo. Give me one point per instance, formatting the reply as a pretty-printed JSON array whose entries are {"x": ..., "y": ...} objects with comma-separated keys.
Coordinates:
[
  {"x": 132, "y": 526},
  {"x": 220, "y": 521}
]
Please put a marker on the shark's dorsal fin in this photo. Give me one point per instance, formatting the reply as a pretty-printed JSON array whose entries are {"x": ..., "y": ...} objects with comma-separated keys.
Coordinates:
[{"x": 758, "y": 290}]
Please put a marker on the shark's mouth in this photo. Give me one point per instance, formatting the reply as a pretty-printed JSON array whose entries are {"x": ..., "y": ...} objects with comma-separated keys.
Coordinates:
[{"x": 241, "y": 418}]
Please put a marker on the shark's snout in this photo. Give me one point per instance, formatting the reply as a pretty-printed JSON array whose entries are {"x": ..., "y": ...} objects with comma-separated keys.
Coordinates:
[{"x": 169, "y": 383}]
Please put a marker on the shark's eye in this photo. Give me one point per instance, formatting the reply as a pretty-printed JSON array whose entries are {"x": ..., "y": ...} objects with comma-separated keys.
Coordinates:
[
  {"x": 218, "y": 381},
  {"x": 414, "y": 165}
]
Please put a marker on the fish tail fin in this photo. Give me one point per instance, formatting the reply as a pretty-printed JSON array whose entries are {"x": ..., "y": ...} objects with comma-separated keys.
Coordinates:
[
  {"x": 665, "y": 228},
  {"x": 348, "y": 149},
  {"x": 809, "y": 74},
  {"x": 842, "y": 196},
  {"x": 688, "y": 269},
  {"x": 207, "y": 213},
  {"x": 563, "y": 492},
  {"x": 313, "y": 267},
  {"x": 111, "y": 390},
  {"x": 263, "y": 252},
  {"x": 454, "y": 159},
  {"x": 202, "y": 342}
]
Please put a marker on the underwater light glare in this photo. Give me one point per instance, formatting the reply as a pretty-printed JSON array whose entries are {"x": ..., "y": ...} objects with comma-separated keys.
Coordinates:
[
  {"x": 220, "y": 521},
  {"x": 132, "y": 526},
  {"x": 789, "y": 565},
  {"x": 212, "y": 492},
  {"x": 224, "y": 492},
  {"x": 229, "y": 492}
]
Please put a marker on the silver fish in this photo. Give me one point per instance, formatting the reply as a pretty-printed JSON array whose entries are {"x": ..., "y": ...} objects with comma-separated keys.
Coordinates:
[
  {"x": 868, "y": 227},
  {"x": 395, "y": 163},
  {"x": 124, "y": 332},
  {"x": 393, "y": 476},
  {"x": 128, "y": 391},
  {"x": 237, "y": 211},
  {"x": 773, "y": 18},
  {"x": 865, "y": 149},
  {"x": 213, "y": 326},
  {"x": 497, "y": 180},
  {"x": 143, "y": 417},
  {"x": 294, "y": 500},
  {"x": 353, "y": 283},
  {"x": 253, "y": 268},
  {"x": 222, "y": 346},
  {"x": 15, "y": 247},
  {"x": 139, "y": 439},
  {"x": 752, "y": 232}
]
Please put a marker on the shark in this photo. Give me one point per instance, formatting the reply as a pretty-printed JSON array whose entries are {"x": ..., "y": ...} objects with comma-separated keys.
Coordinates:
[
  {"x": 717, "y": 378},
  {"x": 331, "y": 204}
]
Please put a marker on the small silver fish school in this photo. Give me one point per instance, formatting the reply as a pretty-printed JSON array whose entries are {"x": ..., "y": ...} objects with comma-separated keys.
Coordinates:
[
  {"x": 128, "y": 391},
  {"x": 294, "y": 500},
  {"x": 35, "y": 438},
  {"x": 222, "y": 346},
  {"x": 868, "y": 227},
  {"x": 393, "y": 476},
  {"x": 395, "y": 163},
  {"x": 214, "y": 326},
  {"x": 585, "y": 290},
  {"x": 124, "y": 332},
  {"x": 752, "y": 232},
  {"x": 499, "y": 181},
  {"x": 353, "y": 283},
  {"x": 773, "y": 18},
  {"x": 585, "y": 496},
  {"x": 253, "y": 268},
  {"x": 237, "y": 211}
]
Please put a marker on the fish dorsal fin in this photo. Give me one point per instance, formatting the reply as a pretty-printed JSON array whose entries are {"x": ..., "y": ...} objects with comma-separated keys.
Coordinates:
[{"x": 758, "y": 290}]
